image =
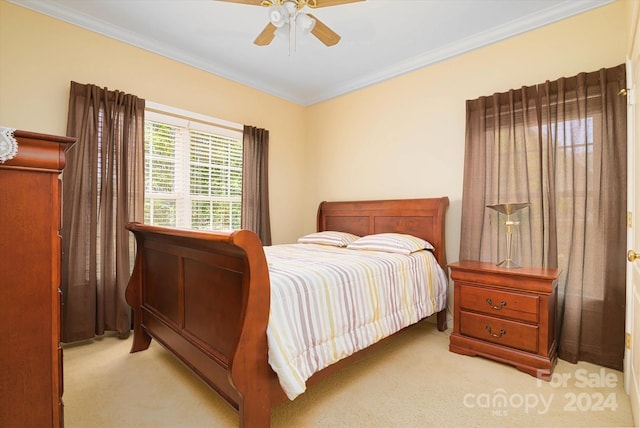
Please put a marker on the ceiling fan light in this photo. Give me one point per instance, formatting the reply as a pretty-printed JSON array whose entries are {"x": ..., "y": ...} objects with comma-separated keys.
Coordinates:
[
  {"x": 278, "y": 15},
  {"x": 282, "y": 33},
  {"x": 305, "y": 22}
]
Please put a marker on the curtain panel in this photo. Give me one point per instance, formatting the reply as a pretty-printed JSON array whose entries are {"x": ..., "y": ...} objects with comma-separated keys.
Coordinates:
[
  {"x": 255, "y": 183},
  {"x": 103, "y": 189},
  {"x": 561, "y": 146}
]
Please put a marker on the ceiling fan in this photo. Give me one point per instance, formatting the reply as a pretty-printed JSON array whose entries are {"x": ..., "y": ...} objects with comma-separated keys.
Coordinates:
[{"x": 288, "y": 13}]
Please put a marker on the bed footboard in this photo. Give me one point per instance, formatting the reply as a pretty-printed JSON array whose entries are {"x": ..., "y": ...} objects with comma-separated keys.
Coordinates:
[{"x": 205, "y": 297}]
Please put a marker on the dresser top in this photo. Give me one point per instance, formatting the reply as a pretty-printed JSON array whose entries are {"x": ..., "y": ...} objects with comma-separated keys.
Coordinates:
[{"x": 38, "y": 152}]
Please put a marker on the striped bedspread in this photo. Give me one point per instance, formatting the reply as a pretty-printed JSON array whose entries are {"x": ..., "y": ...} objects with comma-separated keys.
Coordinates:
[{"x": 329, "y": 302}]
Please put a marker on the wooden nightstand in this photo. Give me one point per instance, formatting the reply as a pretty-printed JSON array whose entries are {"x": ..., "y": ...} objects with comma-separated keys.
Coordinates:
[{"x": 508, "y": 315}]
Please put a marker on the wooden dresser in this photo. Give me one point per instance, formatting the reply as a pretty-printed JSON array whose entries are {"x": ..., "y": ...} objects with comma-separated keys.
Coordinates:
[
  {"x": 508, "y": 315},
  {"x": 31, "y": 356}
]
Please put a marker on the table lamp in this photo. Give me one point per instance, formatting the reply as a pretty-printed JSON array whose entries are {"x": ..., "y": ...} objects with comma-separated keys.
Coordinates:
[{"x": 509, "y": 209}]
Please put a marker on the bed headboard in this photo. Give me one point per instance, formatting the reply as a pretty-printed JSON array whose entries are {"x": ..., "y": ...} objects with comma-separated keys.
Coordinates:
[{"x": 423, "y": 218}]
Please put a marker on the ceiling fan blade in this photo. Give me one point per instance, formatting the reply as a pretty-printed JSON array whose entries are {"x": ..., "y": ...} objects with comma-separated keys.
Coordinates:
[
  {"x": 266, "y": 36},
  {"x": 325, "y": 34},
  {"x": 326, "y": 3},
  {"x": 250, "y": 2}
]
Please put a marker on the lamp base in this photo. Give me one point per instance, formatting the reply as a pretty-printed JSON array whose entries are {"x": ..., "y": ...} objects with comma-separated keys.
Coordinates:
[{"x": 508, "y": 263}]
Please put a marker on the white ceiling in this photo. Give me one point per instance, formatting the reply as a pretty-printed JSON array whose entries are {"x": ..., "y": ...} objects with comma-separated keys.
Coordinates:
[{"x": 381, "y": 39}]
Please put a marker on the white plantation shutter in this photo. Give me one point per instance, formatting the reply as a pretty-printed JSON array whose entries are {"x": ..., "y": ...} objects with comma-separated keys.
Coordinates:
[
  {"x": 160, "y": 173},
  {"x": 193, "y": 172},
  {"x": 215, "y": 184}
]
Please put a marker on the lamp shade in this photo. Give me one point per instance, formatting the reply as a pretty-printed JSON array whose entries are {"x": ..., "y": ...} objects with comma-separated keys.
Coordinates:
[
  {"x": 509, "y": 208},
  {"x": 305, "y": 22}
]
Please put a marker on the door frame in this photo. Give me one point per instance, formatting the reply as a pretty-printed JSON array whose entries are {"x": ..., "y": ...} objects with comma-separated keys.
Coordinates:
[{"x": 632, "y": 332}]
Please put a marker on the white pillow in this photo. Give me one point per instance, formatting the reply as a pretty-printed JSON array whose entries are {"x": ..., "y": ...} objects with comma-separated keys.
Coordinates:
[
  {"x": 391, "y": 243},
  {"x": 329, "y": 237}
]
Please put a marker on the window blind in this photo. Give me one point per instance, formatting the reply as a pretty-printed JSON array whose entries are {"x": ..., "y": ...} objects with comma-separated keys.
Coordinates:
[{"x": 193, "y": 173}]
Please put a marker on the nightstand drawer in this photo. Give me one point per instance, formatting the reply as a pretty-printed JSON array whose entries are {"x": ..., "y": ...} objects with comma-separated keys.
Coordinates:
[
  {"x": 500, "y": 303},
  {"x": 503, "y": 332}
]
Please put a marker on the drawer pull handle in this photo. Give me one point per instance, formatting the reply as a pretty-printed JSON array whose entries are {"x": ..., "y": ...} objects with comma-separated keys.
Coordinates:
[
  {"x": 497, "y": 308},
  {"x": 502, "y": 332}
]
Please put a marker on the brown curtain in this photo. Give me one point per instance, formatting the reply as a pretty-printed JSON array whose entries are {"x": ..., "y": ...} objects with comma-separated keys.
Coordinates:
[
  {"x": 103, "y": 185},
  {"x": 562, "y": 147},
  {"x": 255, "y": 183}
]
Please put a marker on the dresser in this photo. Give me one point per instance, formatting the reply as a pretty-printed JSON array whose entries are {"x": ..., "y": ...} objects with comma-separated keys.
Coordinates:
[
  {"x": 31, "y": 356},
  {"x": 508, "y": 315}
]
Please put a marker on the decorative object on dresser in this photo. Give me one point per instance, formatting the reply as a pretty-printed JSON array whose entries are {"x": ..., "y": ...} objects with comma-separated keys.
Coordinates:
[
  {"x": 509, "y": 210},
  {"x": 8, "y": 144},
  {"x": 506, "y": 315},
  {"x": 31, "y": 360}
]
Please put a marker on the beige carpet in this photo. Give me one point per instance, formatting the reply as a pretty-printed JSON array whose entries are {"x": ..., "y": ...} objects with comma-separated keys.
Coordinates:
[{"x": 413, "y": 381}]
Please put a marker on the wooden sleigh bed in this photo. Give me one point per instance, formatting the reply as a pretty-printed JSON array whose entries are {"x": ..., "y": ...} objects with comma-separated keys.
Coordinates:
[{"x": 205, "y": 296}]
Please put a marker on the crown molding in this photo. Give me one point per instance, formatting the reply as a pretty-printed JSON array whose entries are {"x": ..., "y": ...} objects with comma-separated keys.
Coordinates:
[{"x": 514, "y": 28}]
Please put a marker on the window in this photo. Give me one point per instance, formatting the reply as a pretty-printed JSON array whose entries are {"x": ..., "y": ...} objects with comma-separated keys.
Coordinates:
[{"x": 193, "y": 171}]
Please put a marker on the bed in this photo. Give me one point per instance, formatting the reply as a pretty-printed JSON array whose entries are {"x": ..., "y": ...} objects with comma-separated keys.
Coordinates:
[{"x": 206, "y": 296}]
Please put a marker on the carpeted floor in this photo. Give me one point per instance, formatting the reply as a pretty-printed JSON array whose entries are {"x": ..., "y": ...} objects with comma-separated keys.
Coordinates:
[{"x": 412, "y": 381}]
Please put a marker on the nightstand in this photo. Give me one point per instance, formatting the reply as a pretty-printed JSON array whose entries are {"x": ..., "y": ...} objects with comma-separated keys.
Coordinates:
[{"x": 508, "y": 315}]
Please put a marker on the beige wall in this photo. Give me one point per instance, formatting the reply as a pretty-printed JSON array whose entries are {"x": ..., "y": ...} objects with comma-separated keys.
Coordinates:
[
  {"x": 405, "y": 137},
  {"x": 401, "y": 138},
  {"x": 39, "y": 56}
]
